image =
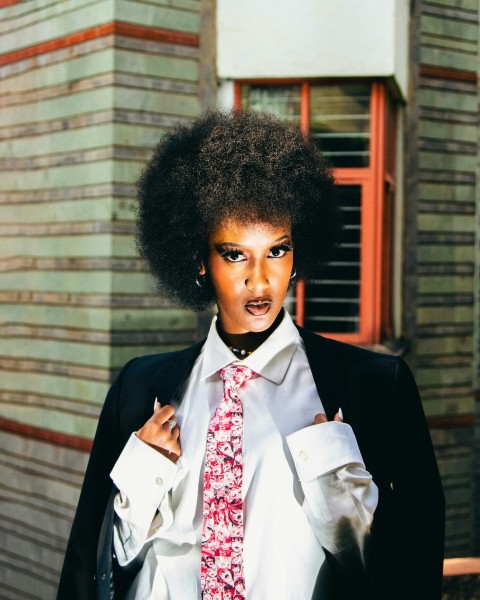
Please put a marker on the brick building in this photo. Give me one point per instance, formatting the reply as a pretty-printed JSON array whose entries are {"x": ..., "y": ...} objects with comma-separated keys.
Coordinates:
[{"x": 388, "y": 90}]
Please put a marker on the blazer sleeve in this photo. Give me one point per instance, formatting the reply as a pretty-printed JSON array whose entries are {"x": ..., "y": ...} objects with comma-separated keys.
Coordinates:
[
  {"x": 78, "y": 577},
  {"x": 407, "y": 535}
]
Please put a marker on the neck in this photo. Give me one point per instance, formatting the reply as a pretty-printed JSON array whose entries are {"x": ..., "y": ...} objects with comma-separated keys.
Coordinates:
[{"x": 243, "y": 344}]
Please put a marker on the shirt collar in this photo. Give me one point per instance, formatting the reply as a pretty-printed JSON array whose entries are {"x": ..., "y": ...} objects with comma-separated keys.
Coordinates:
[{"x": 270, "y": 360}]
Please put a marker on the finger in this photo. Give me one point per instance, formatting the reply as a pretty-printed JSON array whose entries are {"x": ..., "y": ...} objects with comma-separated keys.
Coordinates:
[
  {"x": 320, "y": 418},
  {"x": 171, "y": 434},
  {"x": 170, "y": 424},
  {"x": 163, "y": 414},
  {"x": 173, "y": 444},
  {"x": 167, "y": 443},
  {"x": 157, "y": 431},
  {"x": 339, "y": 416}
]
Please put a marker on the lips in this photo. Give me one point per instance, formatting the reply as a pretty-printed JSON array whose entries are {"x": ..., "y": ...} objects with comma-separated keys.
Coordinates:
[{"x": 258, "y": 307}]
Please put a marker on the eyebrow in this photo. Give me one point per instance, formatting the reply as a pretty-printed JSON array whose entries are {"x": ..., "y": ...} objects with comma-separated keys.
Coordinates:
[{"x": 277, "y": 241}]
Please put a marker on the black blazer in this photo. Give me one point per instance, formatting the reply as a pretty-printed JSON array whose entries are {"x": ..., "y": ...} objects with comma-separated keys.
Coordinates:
[{"x": 379, "y": 400}]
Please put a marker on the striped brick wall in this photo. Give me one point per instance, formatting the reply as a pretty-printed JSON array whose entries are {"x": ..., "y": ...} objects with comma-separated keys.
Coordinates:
[
  {"x": 86, "y": 90},
  {"x": 39, "y": 492},
  {"x": 442, "y": 263}
]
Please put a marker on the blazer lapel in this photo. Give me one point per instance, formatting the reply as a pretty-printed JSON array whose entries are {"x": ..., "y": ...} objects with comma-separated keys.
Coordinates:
[
  {"x": 171, "y": 374},
  {"x": 330, "y": 375}
]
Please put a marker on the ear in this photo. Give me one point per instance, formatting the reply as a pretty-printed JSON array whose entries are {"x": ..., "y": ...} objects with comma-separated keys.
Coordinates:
[{"x": 202, "y": 270}]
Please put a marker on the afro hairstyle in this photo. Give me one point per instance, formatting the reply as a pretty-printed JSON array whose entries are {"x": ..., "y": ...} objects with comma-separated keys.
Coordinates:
[{"x": 238, "y": 165}]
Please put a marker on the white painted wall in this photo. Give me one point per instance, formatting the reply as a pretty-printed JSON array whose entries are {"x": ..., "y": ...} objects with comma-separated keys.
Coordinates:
[{"x": 313, "y": 38}]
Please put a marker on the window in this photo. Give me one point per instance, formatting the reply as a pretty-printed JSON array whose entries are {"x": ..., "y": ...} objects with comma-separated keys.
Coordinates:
[{"x": 353, "y": 124}]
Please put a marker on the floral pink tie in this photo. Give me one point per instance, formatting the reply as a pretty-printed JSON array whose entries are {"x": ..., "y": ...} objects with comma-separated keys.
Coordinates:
[{"x": 222, "y": 534}]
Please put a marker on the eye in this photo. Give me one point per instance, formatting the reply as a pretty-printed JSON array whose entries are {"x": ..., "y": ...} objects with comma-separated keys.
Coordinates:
[
  {"x": 232, "y": 255},
  {"x": 279, "y": 251}
]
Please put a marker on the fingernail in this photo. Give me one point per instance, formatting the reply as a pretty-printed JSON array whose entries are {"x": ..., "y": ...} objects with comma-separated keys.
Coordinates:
[
  {"x": 155, "y": 404},
  {"x": 340, "y": 413}
]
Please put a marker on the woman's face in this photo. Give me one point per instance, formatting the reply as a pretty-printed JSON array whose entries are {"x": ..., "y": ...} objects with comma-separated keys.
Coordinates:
[{"x": 250, "y": 265}]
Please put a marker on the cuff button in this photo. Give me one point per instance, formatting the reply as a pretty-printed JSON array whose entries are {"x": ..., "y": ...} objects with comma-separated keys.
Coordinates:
[
  {"x": 302, "y": 455},
  {"x": 159, "y": 481}
]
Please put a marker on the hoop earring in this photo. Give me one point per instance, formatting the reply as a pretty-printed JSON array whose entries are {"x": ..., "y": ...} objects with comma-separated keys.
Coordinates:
[
  {"x": 294, "y": 274},
  {"x": 200, "y": 279}
]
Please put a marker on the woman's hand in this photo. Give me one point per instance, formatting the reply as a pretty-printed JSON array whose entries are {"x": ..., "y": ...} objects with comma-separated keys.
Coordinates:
[
  {"x": 322, "y": 418},
  {"x": 162, "y": 432}
]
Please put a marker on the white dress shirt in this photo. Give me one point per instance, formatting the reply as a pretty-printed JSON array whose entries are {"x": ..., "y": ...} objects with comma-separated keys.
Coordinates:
[{"x": 298, "y": 480}]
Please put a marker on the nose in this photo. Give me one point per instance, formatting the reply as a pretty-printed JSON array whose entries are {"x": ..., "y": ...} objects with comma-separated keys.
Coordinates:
[{"x": 257, "y": 280}]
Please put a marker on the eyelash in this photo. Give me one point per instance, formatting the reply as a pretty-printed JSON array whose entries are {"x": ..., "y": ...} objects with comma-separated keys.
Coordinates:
[
  {"x": 229, "y": 253},
  {"x": 284, "y": 247}
]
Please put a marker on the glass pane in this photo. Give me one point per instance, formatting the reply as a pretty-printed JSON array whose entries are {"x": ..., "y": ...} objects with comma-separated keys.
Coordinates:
[
  {"x": 281, "y": 100},
  {"x": 332, "y": 302},
  {"x": 340, "y": 123}
]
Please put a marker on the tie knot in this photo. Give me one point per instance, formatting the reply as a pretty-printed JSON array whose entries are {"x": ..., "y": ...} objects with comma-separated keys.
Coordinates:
[{"x": 234, "y": 376}]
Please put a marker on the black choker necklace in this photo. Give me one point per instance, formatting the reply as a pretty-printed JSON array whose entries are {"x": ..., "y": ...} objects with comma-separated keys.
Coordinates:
[
  {"x": 244, "y": 344},
  {"x": 239, "y": 351}
]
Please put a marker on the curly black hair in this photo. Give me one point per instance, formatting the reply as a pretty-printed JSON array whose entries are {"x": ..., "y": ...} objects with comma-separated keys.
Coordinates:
[{"x": 243, "y": 166}]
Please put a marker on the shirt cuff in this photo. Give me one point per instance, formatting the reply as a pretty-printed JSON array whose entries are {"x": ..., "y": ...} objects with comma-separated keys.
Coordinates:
[
  {"x": 143, "y": 474},
  {"x": 322, "y": 448}
]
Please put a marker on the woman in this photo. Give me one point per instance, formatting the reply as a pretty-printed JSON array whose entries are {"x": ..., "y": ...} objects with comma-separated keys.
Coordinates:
[{"x": 265, "y": 462}]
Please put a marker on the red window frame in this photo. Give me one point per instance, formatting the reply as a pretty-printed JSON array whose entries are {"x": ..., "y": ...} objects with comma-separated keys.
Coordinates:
[{"x": 378, "y": 184}]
